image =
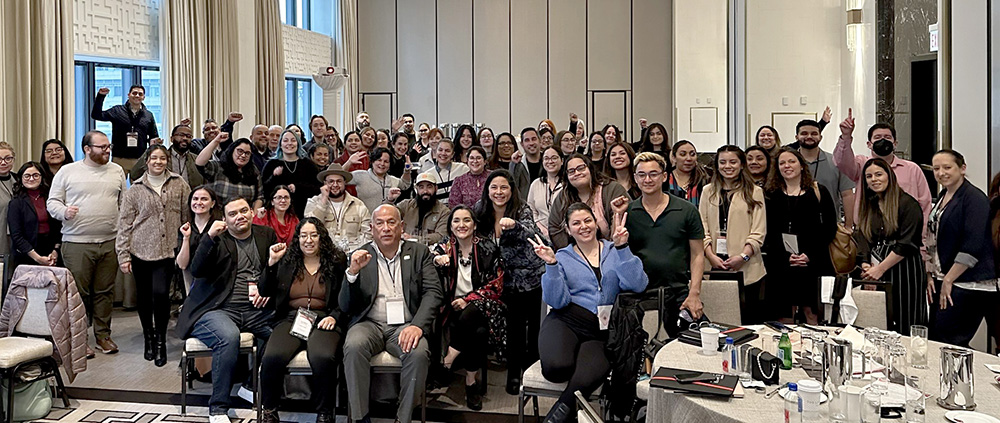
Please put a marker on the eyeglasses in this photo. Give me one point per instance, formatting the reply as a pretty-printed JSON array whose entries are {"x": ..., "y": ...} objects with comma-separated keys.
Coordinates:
[
  {"x": 54, "y": 150},
  {"x": 281, "y": 198},
  {"x": 30, "y": 176},
  {"x": 576, "y": 170},
  {"x": 104, "y": 147},
  {"x": 651, "y": 175},
  {"x": 309, "y": 236},
  {"x": 241, "y": 153},
  {"x": 550, "y": 159},
  {"x": 8, "y": 159}
]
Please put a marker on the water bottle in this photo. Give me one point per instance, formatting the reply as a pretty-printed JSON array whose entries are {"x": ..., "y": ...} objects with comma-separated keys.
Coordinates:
[
  {"x": 793, "y": 406},
  {"x": 729, "y": 358}
]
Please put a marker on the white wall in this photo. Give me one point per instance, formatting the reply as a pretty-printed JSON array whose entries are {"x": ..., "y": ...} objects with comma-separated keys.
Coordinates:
[
  {"x": 117, "y": 29},
  {"x": 969, "y": 116},
  {"x": 700, "y": 52},
  {"x": 511, "y": 63}
]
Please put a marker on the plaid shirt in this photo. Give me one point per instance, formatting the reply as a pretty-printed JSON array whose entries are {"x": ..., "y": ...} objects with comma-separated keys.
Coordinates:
[{"x": 217, "y": 181}]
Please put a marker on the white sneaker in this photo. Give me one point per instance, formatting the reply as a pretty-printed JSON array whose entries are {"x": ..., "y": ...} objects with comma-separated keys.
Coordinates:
[
  {"x": 246, "y": 394},
  {"x": 219, "y": 418}
]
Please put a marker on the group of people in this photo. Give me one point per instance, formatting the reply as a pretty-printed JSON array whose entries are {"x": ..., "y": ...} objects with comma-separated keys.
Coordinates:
[{"x": 442, "y": 252}]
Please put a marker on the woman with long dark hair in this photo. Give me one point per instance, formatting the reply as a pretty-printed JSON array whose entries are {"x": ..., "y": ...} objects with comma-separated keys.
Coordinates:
[
  {"x": 580, "y": 283},
  {"x": 34, "y": 235},
  {"x": 473, "y": 316},
  {"x": 597, "y": 149},
  {"x": 961, "y": 282},
  {"x": 585, "y": 185},
  {"x": 656, "y": 140},
  {"x": 205, "y": 209},
  {"x": 468, "y": 188},
  {"x": 279, "y": 214},
  {"x": 890, "y": 228},
  {"x": 150, "y": 210},
  {"x": 566, "y": 143},
  {"x": 546, "y": 188},
  {"x": 230, "y": 177},
  {"x": 292, "y": 168},
  {"x": 304, "y": 279},
  {"x": 506, "y": 220},
  {"x": 54, "y": 156},
  {"x": 687, "y": 178},
  {"x": 619, "y": 165},
  {"x": 488, "y": 142},
  {"x": 767, "y": 138},
  {"x": 758, "y": 164},
  {"x": 465, "y": 138},
  {"x": 735, "y": 222},
  {"x": 799, "y": 207}
]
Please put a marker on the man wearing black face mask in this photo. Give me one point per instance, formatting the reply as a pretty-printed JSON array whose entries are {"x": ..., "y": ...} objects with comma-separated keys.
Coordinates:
[
  {"x": 425, "y": 218},
  {"x": 181, "y": 157},
  {"x": 882, "y": 143},
  {"x": 823, "y": 169}
]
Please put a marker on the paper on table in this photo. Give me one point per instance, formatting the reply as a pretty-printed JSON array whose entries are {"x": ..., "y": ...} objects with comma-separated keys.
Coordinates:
[{"x": 851, "y": 334}]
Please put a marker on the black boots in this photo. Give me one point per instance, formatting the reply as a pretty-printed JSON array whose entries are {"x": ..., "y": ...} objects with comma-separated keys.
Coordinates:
[
  {"x": 474, "y": 396},
  {"x": 161, "y": 350},
  {"x": 149, "y": 346},
  {"x": 561, "y": 412}
]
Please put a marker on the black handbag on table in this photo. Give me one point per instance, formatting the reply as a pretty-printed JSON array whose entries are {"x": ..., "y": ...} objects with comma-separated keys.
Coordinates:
[{"x": 764, "y": 366}]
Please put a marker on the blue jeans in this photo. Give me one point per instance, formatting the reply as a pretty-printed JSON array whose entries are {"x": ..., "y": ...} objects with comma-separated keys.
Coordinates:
[{"x": 220, "y": 330}]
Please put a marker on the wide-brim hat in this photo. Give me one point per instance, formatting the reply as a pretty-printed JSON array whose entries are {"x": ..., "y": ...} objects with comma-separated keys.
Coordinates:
[{"x": 335, "y": 169}]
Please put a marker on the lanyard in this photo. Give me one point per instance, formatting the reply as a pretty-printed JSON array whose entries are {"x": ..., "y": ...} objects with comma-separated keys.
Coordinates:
[
  {"x": 309, "y": 291},
  {"x": 388, "y": 267},
  {"x": 580, "y": 250}
]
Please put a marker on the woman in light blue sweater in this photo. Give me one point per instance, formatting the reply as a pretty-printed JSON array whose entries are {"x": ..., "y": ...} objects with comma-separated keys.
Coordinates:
[{"x": 580, "y": 283}]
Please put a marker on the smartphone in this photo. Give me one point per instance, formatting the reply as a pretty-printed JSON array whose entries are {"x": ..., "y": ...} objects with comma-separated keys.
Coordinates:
[
  {"x": 778, "y": 326},
  {"x": 694, "y": 377}
]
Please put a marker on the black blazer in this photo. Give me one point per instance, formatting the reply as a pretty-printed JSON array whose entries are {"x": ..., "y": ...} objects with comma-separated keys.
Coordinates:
[
  {"x": 964, "y": 228},
  {"x": 22, "y": 221},
  {"x": 421, "y": 286},
  {"x": 213, "y": 266},
  {"x": 277, "y": 283}
]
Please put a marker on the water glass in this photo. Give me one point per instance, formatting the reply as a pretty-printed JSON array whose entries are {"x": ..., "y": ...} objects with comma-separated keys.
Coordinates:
[
  {"x": 897, "y": 362},
  {"x": 918, "y": 347},
  {"x": 914, "y": 402},
  {"x": 871, "y": 407}
]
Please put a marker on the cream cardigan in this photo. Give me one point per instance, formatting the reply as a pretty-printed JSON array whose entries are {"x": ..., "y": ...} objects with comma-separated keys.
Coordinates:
[{"x": 745, "y": 227}]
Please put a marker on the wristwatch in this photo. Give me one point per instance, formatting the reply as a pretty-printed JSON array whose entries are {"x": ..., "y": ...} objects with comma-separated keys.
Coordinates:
[{"x": 745, "y": 257}]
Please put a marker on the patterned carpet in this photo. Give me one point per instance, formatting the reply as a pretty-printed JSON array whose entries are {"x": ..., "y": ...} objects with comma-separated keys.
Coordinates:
[{"x": 120, "y": 412}]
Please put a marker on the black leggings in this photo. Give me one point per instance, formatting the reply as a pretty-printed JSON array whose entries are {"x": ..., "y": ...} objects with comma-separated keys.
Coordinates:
[
  {"x": 152, "y": 288},
  {"x": 524, "y": 314},
  {"x": 468, "y": 331},
  {"x": 572, "y": 350},
  {"x": 322, "y": 349}
]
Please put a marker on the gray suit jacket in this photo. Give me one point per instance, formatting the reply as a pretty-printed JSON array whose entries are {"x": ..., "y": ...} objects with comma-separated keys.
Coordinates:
[{"x": 421, "y": 287}]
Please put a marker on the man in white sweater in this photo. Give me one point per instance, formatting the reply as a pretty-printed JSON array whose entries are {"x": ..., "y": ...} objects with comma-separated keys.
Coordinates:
[{"x": 85, "y": 196}]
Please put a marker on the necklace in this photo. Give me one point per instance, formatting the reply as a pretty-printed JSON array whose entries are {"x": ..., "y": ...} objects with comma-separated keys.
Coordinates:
[
  {"x": 463, "y": 261},
  {"x": 292, "y": 168},
  {"x": 35, "y": 197}
]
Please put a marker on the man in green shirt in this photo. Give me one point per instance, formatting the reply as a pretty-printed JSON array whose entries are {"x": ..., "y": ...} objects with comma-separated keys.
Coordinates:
[{"x": 667, "y": 236}]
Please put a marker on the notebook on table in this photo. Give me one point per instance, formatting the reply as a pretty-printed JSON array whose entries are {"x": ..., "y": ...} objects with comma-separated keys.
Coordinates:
[
  {"x": 739, "y": 334},
  {"x": 719, "y": 385}
]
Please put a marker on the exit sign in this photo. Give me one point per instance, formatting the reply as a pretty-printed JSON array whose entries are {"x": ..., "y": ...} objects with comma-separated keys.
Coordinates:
[{"x": 933, "y": 30}]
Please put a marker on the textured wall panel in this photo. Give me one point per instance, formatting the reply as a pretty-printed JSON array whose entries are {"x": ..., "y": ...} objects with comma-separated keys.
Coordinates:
[
  {"x": 652, "y": 70},
  {"x": 567, "y": 60},
  {"x": 305, "y": 51},
  {"x": 126, "y": 29},
  {"x": 454, "y": 64},
  {"x": 416, "y": 59},
  {"x": 377, "y": 45},
  {"x": 529, "y": 74},
  {"x": 491, "y": 63}
]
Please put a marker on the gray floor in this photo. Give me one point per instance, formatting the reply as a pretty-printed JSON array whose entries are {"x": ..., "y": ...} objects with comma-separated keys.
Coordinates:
[{"x": 128, "y": 371}]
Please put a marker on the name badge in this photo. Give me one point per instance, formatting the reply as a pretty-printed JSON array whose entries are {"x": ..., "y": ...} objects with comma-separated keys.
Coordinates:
[
  {"x": 132, "y": 139},
  {"x": 604, "y": 316},
  {"x": 791, "y": 242},
  {"x": 394, "y": 311},
  {"x": 303, "y": 324},
  {"x": 720, "y": 246}
]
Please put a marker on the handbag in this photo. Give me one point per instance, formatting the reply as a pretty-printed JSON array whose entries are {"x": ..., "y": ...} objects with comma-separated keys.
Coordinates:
[
  {"x": 764, "y": 366},
  {"x": 32, "y": 401},
  {"x": 843, "y": 248}
]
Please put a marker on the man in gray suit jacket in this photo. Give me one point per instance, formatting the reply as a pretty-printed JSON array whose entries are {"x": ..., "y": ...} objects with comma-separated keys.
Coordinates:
[{"x": 392, "y": 294}]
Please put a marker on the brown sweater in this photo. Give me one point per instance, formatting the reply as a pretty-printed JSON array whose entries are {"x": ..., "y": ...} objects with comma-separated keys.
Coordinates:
[{"x": 305, "y": 287}]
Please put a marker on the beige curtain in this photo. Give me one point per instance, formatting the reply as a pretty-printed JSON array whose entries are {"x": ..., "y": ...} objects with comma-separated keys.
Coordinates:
[
  {"x": 36, "y": 74},
  {"x": 347, "y": 57},
  {"x": 199, "y": 50},
  {"x": 270, "y": 64}
]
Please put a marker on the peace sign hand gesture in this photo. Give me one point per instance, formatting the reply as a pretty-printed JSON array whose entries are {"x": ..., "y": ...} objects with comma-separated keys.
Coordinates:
[
  {"x": 620, "y": 235},
  {"x": 543, "y": 251}
]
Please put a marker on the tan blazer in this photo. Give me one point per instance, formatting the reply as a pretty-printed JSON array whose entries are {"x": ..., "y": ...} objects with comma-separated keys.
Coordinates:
[{"x": 745, "y": 228}]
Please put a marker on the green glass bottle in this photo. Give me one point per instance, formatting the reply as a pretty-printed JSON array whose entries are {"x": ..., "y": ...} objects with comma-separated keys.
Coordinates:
[{"x": 785, "y": 350}]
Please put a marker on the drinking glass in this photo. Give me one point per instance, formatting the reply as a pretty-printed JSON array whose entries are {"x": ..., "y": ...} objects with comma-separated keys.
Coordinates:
[
  {"x": 871, "y": 407},
  {"x": 897, "y": 362},
  {"x": 914, "y": 402},
  {"x": 918, "y": 347}
]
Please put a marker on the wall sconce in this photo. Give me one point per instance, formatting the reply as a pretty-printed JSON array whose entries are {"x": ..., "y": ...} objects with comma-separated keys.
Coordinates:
[{"x": 854, "y": 19}]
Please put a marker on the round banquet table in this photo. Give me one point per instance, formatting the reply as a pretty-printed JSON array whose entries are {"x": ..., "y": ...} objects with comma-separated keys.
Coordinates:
[{"x": 665, "y": 406}]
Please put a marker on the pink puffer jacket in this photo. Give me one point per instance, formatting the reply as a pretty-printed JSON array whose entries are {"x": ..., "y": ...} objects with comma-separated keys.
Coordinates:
[{"x": 67, "y": 318}]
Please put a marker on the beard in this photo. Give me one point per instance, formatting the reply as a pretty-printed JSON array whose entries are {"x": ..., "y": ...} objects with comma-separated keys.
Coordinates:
[
  {"x": 181, "y": 147},
  {"x": 426, "y": 202},
  {"x": 339, "y": 195},
  {"x": 808, "y": 146},
  {"x": 98, "y": 157}
]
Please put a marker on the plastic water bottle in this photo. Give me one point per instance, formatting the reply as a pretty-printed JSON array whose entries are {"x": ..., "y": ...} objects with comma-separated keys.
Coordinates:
[
  {"x": 793, "y": 405},
  {"x": 729, "y": 358}
]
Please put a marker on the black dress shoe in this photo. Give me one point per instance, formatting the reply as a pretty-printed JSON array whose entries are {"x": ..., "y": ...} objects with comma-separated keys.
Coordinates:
[
  {"x": 513, "y": 386},
  {"x": 161, "y": 351},
  {"x": 325, "y": 417},
  {"x": 149, "y": 346},
  {"x": 473, "y": 397},
  {"x": 558, "y": 414}
]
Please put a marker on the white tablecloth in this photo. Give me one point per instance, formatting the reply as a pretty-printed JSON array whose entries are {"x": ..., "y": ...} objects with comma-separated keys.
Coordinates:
[{"x": 666, "y": 406}]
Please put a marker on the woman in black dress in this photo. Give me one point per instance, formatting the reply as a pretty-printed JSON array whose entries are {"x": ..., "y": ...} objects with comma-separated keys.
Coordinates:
[
  {"x": 291, "y": 166},
  {"x": 800, "y": 210}
]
